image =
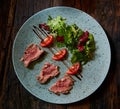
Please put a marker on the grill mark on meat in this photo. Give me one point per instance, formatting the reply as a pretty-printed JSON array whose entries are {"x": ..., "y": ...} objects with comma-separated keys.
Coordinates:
[
  {"x": 31, "y": 53},
  {"x": 63, "y": 85},
  {"x": 48, "y": 71}
]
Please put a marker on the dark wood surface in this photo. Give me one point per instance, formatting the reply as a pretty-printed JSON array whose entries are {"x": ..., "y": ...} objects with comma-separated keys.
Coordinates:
[{"x": 13, "y": 13}]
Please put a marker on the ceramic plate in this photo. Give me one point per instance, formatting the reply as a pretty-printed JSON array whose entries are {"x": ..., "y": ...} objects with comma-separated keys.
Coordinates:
[{"x": 94, "y": 72}]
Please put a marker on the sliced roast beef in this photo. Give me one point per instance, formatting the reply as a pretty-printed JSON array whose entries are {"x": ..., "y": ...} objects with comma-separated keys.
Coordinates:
[
  {"x": 63, "y": 85},
  {"x": 31, "y": 53},
  {"x": 48, "y": 71}
]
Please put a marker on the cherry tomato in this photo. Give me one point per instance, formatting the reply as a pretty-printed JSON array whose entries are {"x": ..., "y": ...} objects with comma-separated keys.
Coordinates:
[
  {"x": 60, "y": 55},
  {"x": 73, "y": 69},
  {"x": 47, "y": 41}
]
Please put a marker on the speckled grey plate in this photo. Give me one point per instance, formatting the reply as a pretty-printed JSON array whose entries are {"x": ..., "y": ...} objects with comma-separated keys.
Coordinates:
[{"x": 93, "y": 72}]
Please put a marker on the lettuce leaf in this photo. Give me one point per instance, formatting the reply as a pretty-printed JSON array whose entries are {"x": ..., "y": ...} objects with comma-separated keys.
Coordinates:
[{"x": 71, "y": 33}]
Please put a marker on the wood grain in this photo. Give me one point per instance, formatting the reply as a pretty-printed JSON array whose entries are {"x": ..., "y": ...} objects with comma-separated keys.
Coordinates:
[{"x": 13, "y": 13}]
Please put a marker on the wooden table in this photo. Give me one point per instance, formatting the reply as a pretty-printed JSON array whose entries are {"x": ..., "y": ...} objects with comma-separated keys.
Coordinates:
[{"x": 13, "y": 13}]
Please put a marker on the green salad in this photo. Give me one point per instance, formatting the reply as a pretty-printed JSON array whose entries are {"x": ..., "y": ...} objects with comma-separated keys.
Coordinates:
[{"x": 80, "y": 43}]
